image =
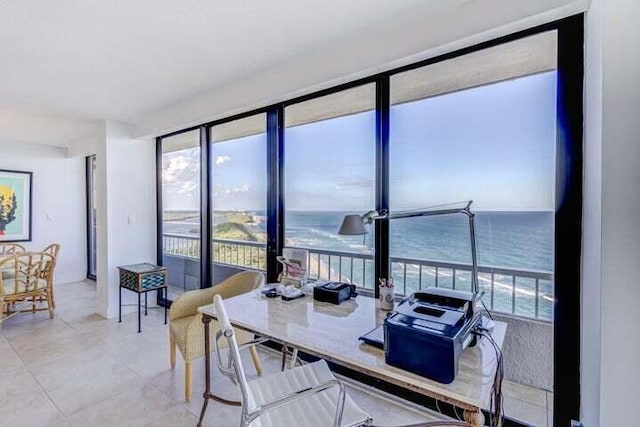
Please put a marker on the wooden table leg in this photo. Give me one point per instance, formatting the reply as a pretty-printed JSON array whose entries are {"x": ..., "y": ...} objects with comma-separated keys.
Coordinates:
[{"x": 474, "y": 418}]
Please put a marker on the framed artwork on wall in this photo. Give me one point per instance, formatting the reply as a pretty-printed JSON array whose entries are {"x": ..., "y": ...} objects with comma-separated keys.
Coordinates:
[{"x": 15, "y": 206}]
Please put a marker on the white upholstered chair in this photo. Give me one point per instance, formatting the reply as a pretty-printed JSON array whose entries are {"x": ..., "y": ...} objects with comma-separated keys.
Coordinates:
[
  {"x": 186, "y": 331},
  {"x": 307, "y": 395}
]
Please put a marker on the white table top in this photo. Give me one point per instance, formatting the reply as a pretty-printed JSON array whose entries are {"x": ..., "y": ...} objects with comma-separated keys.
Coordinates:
[{"x": 331, "y": 332}]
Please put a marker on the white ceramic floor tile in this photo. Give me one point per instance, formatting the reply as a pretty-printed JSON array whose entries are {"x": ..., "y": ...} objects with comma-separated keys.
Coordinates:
[
  {"x": 80, "y": 369},
  {"x": 532, "y": 395},
  {"x": 523, "y": 411},
  {"x": 133, "y": 407}
]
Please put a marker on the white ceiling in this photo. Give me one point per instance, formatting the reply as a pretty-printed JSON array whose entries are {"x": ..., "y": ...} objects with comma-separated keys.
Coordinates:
[{"x": 67, "y": 64}]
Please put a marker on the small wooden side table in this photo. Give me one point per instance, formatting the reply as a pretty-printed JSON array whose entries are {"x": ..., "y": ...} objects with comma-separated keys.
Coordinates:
[{"x": 141, "y": 279}]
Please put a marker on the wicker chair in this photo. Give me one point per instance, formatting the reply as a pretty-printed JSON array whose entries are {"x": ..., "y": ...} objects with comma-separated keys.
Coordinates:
[
  {"x": 11, "y": 249},
  {"x": 53, "y": 250},
  {"x": 185, "y": 323},
  {"x": 28, "y": 276}
]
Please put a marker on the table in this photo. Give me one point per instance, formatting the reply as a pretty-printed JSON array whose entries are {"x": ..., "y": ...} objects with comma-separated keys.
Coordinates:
[
  {"x": 141, "y": 279},
  {"x": 331, "y": 332}
]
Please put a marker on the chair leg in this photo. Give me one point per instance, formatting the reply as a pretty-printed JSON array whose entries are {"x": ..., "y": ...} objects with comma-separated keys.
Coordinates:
[
  {"x": 50, "y": 304},
  {"x": 256, "y": 360},
  {"x": 172, "y": 351},
  {"x": 187, "y": 381},
  {"x": 53, "y": 300}
]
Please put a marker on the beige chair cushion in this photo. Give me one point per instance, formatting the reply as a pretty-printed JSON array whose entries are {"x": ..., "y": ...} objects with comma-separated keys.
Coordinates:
[{"x": 10, "y": 286}]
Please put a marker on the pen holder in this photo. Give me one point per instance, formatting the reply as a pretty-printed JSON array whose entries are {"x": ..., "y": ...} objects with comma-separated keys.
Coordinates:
[{"x": 386, "y": 298}]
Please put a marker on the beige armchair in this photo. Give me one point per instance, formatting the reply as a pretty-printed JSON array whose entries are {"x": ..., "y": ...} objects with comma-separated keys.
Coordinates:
[{"x": 186, "y": 331}]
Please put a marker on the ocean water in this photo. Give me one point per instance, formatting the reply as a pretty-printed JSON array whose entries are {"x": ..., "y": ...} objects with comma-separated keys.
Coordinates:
[
  {"x": 505, "y": 239},
  {"x": 520, "y": 240}
]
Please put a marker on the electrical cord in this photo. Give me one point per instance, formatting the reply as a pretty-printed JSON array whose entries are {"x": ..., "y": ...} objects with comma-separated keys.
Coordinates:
[
  {"x": 496, "y": 410},
  {"x": 486, "y": 309}
]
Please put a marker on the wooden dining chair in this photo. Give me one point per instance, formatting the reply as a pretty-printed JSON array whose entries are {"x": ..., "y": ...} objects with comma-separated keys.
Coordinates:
[
  {"x": 53, "y": 250},
  {"x": 29, "y": 274},
  {"x": 11, "y": 248}
]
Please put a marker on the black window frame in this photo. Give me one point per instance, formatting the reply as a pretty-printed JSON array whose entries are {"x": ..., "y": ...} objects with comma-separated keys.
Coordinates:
[
  {"x": 91, "y": 235},
  {"x": 568, "y": 216}
]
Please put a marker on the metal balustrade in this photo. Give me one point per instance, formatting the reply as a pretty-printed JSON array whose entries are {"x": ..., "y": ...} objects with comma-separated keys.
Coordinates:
[{"x": 527, "y": 293}]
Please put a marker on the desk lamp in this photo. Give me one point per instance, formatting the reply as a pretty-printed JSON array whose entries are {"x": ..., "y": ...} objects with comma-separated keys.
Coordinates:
[{"x": 355, "y": 225}]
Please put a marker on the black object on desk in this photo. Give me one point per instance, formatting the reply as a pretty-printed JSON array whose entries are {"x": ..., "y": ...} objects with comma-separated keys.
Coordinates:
[
  {"x": 141, "y": 279},
  {"x": 428, "y": 332},
  {"x": 334, "y": 292}
]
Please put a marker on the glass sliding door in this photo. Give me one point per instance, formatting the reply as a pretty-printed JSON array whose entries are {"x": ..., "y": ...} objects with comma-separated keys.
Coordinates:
[
  {"x": 482, "y": 127},
  {"x": 330, "y": 172},
  {"x": 238, "y": 166},
  {"x": 91, "y": 217},
  {"x": 181, "y": 211}
]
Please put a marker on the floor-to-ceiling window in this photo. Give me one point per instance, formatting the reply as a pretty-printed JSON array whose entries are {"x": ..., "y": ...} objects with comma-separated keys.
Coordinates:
[
  {"x": 181, "y": 211},
  {"x": 499, "y": 124},
  {"x": 238, "y": 170},
  {"x": 482, "y": 127},
  {"x": 329, "y": 172}
]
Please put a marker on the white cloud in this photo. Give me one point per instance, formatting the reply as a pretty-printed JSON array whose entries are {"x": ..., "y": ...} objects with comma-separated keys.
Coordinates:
[
  {"x": 179, "y": 169},
  {"x": 237, "y": 190},
  {"x": 187, "y": 187},
  {"x": 221, "y": 160},
  {"x": 245, "y": 188}
]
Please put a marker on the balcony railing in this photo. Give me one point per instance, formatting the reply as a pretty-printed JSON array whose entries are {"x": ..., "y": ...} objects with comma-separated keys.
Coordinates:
[{"x": 526, "y": 293}]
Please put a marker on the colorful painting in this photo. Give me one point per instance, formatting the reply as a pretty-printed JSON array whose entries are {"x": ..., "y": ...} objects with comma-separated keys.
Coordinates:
[{"x": 15, "y": 206}]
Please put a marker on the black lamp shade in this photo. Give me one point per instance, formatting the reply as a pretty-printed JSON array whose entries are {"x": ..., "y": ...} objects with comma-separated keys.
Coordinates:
[{"x": 352, "y": 225}]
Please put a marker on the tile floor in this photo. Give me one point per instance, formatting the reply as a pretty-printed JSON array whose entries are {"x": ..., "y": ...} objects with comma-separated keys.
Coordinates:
[
  {"x": 528, "y": 404},
  {"x": 79, "y": 369}
]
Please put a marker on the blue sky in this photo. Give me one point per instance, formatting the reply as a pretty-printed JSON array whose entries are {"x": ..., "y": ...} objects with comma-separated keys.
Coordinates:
[{"x": 494, "y": 144}]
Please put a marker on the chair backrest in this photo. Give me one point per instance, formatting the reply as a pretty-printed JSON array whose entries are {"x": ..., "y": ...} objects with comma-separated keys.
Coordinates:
[
  {"x": 11, "y": 248},
  {"x": 29, "y": 269},
  {"x": 226, "y": 330},
  {"x": 239, "y": 284},
  {"x": 53, "y": 250}
]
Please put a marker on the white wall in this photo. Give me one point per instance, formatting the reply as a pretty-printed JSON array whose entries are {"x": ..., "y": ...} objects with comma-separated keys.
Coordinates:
[
  {"x": 58, "y": 191},
  {"x": 620, "y": 375},
  {"x": 126, "y": 211},
  {"x": 592, "y": 222},
  {"x": 611, "y": 267}
]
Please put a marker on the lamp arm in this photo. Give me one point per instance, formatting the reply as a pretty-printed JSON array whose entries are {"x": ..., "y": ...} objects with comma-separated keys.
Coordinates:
[{"x": 370, "y": 216}]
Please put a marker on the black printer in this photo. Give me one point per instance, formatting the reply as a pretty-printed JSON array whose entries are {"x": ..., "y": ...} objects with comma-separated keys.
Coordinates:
[{"x": 429, "y": 330}]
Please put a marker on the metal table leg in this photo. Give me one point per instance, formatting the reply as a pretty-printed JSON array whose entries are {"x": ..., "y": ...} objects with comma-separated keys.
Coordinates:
[
  {"x": 206, "y": 320},
  {"x": 119, "y": 304},
  {"x": 139, "y": 310},
  {"x": 162, "y": 295},
  {"x": 145, "y": 303}
]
